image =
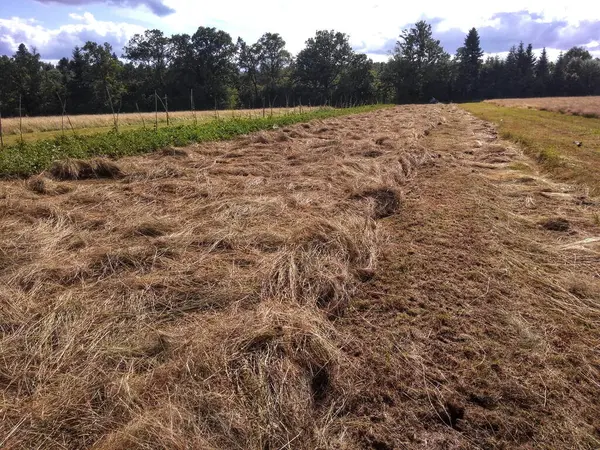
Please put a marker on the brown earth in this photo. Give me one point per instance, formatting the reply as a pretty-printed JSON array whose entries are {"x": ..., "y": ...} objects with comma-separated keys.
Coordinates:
[{"x": 379, "y": 281}]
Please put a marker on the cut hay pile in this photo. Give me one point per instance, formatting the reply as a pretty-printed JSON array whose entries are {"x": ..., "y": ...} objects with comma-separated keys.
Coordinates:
[{"x": 187, "y": 299}]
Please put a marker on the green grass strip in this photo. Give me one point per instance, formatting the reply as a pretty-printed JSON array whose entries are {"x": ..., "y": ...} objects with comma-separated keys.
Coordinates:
[{"x": 28, "y": 158}]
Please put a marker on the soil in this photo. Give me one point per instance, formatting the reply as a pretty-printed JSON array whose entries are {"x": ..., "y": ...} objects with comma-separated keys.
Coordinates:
[{"x": 473, "y": 333}]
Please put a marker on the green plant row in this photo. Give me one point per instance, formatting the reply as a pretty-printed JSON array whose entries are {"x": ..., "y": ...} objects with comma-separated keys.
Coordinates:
[{"x": 28, "y": 158}]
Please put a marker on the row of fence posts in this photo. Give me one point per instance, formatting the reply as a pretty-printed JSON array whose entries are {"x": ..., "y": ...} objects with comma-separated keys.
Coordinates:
[
  {"x": 115, "y": 114},
  {"x": 165, "y": 104}
]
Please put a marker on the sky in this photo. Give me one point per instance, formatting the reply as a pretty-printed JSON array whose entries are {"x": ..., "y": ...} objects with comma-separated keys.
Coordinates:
[{"x": 54, "y": 27}]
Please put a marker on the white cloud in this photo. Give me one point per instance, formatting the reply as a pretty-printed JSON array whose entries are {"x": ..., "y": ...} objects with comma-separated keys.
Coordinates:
[
  {"x": 371, "y": 24},
  {"x": 54, "y": 43}
]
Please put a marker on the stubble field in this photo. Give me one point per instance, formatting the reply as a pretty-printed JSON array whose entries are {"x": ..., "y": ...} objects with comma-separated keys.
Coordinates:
[
  {"x": 398, "y": 279},
  {"x": 577, "y": 106}
]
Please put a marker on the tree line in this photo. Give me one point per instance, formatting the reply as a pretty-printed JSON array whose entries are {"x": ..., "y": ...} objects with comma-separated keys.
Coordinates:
[{"x": 209, "y": 70}]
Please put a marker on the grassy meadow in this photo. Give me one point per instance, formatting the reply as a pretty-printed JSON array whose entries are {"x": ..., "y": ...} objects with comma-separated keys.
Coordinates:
[{"x": 551, "y": 138}]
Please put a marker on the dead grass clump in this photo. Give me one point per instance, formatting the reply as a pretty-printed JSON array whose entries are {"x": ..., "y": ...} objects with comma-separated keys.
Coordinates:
[
  {"x": 260, "y": 138},
  {"x": 386, "y": 201},
  {"x": 141, "y": 259},
  {"x": 320, "y": 266},
  {"x": 584, "y": 288},
  {"x": 151, "y": 229},
  {"x": 175, "y": 152},
  {"x": 556, "y": 224},
  {"x": 407, "y": 165},
  {"x": 77, "y": 169},
  {"x": 45, "y": 186},
  {"x": 34, "y": 213},
  {"x": 372, "y": 154},
  {"x": 384, "y": 141},
  {"x": 295, "y": 134},
  {"x": 284, "y": 344},
  {"x": 264, "y": 379},
  {"x": 282, "y": 137},
  {"x": 103, "y": 168}
]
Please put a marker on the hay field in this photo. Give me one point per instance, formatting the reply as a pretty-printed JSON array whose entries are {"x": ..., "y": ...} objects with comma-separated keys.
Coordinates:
[
  {"x": 381, "y": 280},
  {"x": 577, "y": 106}
]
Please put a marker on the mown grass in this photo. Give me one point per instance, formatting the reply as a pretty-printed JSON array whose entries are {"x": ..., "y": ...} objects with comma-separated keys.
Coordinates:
[
  {"x": 588, "y": 106},
  {"x": 549, "y": 137},
  {"x": 27, "y": 158}
]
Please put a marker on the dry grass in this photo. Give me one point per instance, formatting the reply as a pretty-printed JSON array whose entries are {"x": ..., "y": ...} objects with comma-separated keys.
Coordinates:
[
  {"x": 398, "y": 290},
  {"x": 10, "y": 126},
  {"x": 577, "y": 106},
  {"x": 184, "y": 299},
  {"x": 78, "y": 169}
]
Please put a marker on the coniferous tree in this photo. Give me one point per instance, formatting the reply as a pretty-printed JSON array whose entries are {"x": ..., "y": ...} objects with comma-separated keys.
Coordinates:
[
  {"x": 469, "y": 65},
  {"x": 542, "y": 75}
]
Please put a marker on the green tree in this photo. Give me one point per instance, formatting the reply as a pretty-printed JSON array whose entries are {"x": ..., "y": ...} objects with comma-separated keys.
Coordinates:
[
  {"x": 558, "y": 76},
  {"x": 149, "y": 51},
  {"x": 492, "y": 78},
  {"x": 181, "y": 74},
  {"x": 469, "y": 60},
  {"x": 273, "y": 59},
  {"x": 8, "y": 100},
  {"x": 420, "y": 65},
  {"x": 51, "y": 87},
  {"x": 248, "y": 60},
  {"x": 213, "y": 56},
  {"x": 357, "y": 82},
  {"x": 320, "y": 64},
  {"x": 102, "y": 74},
  {"x": 383, "y": 84},
  {"x": 526, "y": 70},
  {"x": 578, "y": 52},
  {"x": 27, "y": 79}
]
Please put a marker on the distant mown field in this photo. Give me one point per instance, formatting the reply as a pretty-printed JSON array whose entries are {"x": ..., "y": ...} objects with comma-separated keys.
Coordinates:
[
  {"x": 34, "y": 128},
  {"x": 576, "y": 106},
  {"x": 552, "y": 138}
]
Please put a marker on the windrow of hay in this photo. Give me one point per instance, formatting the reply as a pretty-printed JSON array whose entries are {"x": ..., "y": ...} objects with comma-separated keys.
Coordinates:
[
  {"x": 319, "y": 267},
  {"x": 188, "y": 304},
  {"x": 79, "y": 169},
  {"x": 45, "y": 186},
  {"x": 265, "y": 380}
]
